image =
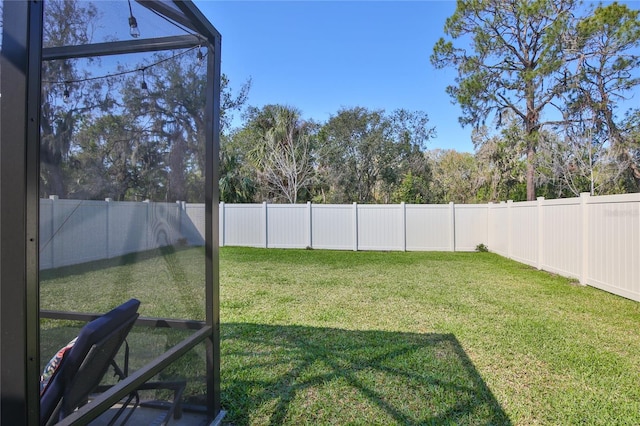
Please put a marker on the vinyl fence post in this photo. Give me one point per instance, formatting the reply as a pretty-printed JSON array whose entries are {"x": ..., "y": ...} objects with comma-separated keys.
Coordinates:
[
  {"x": 54, "y": 199},
  {"x": 540, "y": 209},
  {"x": 355, "y": 226},
  {"x": 107, "y": 226},
  {"x": 403, "y": 224},
  {"x": 584, "y": 210},
  {"x": 181, "y": 207},
  {"x": 184, "y": 215},
  {"x": 509, "y": 230},
  {"x": 222, "y": 224},
  {"x": 309, "y": 226},
  {"x": 149, "y": 229},
  {"x": 265, "y": 224},
  {"x": 490, "y": 236},
  {"x": 452, "y": 226}
]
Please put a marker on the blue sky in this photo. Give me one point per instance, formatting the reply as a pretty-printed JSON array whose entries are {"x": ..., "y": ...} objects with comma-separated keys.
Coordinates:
[{"x": 323, "y": 55}]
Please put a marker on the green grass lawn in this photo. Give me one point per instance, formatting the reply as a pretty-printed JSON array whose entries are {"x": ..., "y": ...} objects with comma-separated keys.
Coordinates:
[{"x": 331, "y": 337}]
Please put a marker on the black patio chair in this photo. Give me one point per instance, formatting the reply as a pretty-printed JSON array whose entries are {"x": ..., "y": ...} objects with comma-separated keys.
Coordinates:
[{"x": 85, "y": 363}]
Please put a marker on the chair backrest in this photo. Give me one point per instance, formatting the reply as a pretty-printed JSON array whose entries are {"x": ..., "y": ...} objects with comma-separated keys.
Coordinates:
[{"x": 85, "y": 364}]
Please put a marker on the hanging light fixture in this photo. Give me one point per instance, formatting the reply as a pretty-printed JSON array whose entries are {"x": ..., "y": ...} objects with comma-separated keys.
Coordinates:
[
  {"x": 200, "y": 55},
  {"x": 143, "y": 85},
  {"x": 65, "y": 94},
  {"x": 133, "y": 23}
]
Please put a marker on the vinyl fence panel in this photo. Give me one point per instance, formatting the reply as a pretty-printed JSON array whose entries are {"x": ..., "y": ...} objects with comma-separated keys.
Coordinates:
[
  {"x": 78, "y": 231},
  {"x": 470, "y": 226},
  {"x": 46, "y": 234},
  {"x": 287, "y": 226},
  {"x": 613, "y": 244},
  {"x": 244, "y": 225},
  {"x": 73, "y": 221},
  {"x": 380, "y": 227},
  {"x": 562, "y": 240},
  {"x": 522, "y": 220},
  {"x": 128, "y": 230},
  {"x": 428, "y": 227},
  {"x": 192, "y": 222},
  {"x": 165, "y": 223},
  {"x": 333, "y": 226},
  {"x": 498, "y": 229}
]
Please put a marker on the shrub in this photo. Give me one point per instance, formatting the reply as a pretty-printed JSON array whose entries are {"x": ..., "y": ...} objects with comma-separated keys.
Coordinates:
[{"x": 482, "y": 248}]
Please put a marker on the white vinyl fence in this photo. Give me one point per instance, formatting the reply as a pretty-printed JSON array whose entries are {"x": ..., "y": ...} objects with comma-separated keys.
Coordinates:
[
  {"x": 593, "y": 239},
  {"x": 77, "y": 231},
  {"x": 415, "y": 227}
]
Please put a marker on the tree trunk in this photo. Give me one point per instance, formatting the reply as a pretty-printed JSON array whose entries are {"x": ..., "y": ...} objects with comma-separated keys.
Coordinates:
[
  {"x": 55, "y": 179},
  {"x": 531, "y": 183},
  {"x": 531, "y": 125},
  {"x": 177, "y": 181}
]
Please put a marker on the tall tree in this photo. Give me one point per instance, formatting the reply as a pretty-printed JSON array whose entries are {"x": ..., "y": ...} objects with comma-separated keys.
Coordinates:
[
  {"x": 235, "y": 186},
  {"x": 360, "y": 154},
  {"x": 632, "y": 134},
  {"x": 283, "y": 151},
  {"x": 581, "y": 159},
  {"x": 231, "y": 102},
  {"x": 501, "y": 161},
  {"x": 66, "y": 98},
  {"x": 602, "y": 75},
  {"x": 114, "y": 158},
  {"x": 171, "y": 106},
  {"x": 411, "y": 133},
  {"x": 412, "y": 189},
  {"x": 369, "y": 154},
  {"x": 515, "y": 54},
  {"x": 456, "y": 176}
]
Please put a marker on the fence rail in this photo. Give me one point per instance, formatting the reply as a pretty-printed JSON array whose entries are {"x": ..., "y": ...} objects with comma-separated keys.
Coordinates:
[{"x": 593, "y": 239}]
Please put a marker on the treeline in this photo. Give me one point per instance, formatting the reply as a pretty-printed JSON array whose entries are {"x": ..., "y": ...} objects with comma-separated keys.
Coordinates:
[
  {"x": 377, "y": 157},
  {"x": 139, "y": 133},
  {"x": 358, "y": 155}
]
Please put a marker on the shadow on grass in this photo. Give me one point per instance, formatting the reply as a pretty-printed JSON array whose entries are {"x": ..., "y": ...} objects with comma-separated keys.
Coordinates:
[
  {"x": 112, "y": 262},
  {"x": 273, "y": 375},
  {"x": 305, "y": 375}
]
